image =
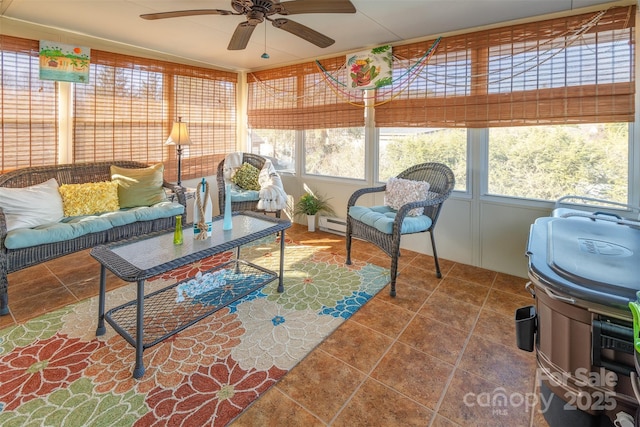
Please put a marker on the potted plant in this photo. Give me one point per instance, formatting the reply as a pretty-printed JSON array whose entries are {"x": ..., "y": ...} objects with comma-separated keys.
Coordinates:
[{"x": 311, "y": 204}]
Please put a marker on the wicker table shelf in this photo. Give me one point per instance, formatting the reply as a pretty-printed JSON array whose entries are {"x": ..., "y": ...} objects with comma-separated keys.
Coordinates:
[{"x": 151, "y": 318}]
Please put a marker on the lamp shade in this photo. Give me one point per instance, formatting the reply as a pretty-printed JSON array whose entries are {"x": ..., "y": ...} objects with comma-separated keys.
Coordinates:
[{"x": 179, "y": 134}]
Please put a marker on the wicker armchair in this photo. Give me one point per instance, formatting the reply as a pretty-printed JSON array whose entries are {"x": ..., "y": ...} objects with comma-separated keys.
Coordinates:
[
  {"x": 441, "y": 180},
  {"x": 252, "y": 205}
]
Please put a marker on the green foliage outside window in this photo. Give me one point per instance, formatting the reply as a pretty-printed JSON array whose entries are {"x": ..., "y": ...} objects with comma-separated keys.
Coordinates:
[
  {"x": 548, "y": 162},
  {"x": 448, "y": 146},
  {"x": 532, "y": 162},
  {"x": 335, "y": 152}
]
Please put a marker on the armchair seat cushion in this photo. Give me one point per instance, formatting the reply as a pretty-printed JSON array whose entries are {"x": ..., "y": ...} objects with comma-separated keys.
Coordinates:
[
  {"x": 240, "y": 195},
  {"x": 382, "y": 217}
]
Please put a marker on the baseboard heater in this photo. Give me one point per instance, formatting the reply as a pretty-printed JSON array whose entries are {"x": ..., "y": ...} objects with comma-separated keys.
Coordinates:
[{"x": 332, "y": 224}]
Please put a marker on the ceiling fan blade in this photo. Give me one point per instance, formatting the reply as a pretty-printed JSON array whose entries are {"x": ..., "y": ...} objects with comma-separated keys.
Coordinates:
[
  {"x": 180, "y": 13},
  {"x": 241, "y": 36},
  {"x": 317, "y": 6},
  {"x": 302, "y": 31}
]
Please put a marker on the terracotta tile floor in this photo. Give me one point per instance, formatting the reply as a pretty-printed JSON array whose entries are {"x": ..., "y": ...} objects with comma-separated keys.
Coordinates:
[{"x": 424, "y": 358}]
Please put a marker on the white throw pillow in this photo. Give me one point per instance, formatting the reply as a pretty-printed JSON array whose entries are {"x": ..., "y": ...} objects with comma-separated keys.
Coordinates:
[
  {"x": 29, "y": 207},
  {"x": 400, "y": 191}
]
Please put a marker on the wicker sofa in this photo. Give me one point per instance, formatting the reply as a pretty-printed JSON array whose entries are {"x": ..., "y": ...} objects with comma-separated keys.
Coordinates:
[{"x": 15, "y": 259}]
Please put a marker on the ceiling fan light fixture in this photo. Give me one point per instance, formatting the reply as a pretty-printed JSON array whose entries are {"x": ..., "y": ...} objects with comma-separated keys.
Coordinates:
[{"x": 258, "y": 11}]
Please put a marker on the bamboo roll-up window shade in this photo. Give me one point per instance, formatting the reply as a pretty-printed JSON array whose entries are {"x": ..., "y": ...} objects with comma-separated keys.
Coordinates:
[
  {"x": 128, "y": 108},
  {"x": 29, "y": 131},
  {"x": 120, "y": 113},
  {"x": 577, "y": 69},
  {"x": 299, "y": 97},
  {"x": 208, "y": 104}
]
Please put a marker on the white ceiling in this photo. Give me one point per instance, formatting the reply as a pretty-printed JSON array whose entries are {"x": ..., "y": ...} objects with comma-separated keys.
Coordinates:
[{"x": 204, "y": 39}]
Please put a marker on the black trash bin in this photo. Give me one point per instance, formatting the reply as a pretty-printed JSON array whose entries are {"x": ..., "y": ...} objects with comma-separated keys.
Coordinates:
[{"x": 526, "y": 327}]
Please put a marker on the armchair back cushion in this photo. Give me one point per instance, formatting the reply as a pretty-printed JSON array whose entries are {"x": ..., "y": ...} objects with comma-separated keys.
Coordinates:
[
  {"x": 246, "y": 177},
  {"x": 400, "y": 191}
]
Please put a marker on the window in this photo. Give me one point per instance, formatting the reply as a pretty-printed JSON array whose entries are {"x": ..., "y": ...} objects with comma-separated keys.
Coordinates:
[
  {"x": 336, "y": 152},
  {"x": 278, "y": 145},
  {"x": 29, "y": 131},
  {"x": 208, "y": 104},
  {"x": 548, "y": 162},
  {"x": 401, "y": 148},
  {"x": 329, "y": 122},
  {"x": 128, "y": 109},
  {"x": 555, "y": 94},
  {"x": 121, "y": 113}
]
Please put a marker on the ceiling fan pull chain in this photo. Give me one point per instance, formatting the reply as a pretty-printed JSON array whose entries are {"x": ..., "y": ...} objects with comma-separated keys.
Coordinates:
[{"x": 265, "y": 55}]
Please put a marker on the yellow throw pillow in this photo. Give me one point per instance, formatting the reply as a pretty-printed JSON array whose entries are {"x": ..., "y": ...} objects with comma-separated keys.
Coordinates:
[
  {"x": 90, "y": 198},
  {"x": 247, "y": 177},
  {"x": 139, "y": 187}
]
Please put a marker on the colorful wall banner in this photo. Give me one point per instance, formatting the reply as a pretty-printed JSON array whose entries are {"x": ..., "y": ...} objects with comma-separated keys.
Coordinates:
[{"x": 370, "y": 69}]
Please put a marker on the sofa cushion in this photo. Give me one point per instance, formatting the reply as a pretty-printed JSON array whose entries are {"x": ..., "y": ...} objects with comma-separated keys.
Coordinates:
[
  {"x": 31, "y": 206},
  {"x": 382, "y": 217},
  {"x": 159, "y": 210},
  {"x": 89, "y": 198},
  {"x": 88, "y": 224},
  {"x": 139, "y": 187},
  {"x": 53, "y": 233},
  {"x": 77, "y": 226},
  {"x": 121, "y": 217},
  {"x": 401, "y": 191}
]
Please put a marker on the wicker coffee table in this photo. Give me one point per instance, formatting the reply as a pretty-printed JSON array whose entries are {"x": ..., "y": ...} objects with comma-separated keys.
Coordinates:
[{"x": 151, "y": 318}]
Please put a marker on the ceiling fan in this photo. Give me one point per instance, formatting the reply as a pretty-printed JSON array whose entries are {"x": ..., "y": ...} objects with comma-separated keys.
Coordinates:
[{"x": 257, "y": 11}]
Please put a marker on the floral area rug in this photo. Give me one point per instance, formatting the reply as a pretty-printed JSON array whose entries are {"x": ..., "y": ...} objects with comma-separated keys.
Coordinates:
[{"x": 55, "y": 372}]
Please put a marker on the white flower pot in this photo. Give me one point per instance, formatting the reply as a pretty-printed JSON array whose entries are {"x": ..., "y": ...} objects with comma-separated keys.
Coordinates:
[{"x": 311, "y": 222}]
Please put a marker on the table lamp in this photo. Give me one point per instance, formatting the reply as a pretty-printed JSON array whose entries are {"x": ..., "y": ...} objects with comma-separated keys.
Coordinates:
[{"x": 179, "y": 136}]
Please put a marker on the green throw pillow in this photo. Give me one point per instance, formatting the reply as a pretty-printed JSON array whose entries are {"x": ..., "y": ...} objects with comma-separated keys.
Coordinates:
[
  {"x": 139, "y": 187},
  {"x": 247, "y": 177}
]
